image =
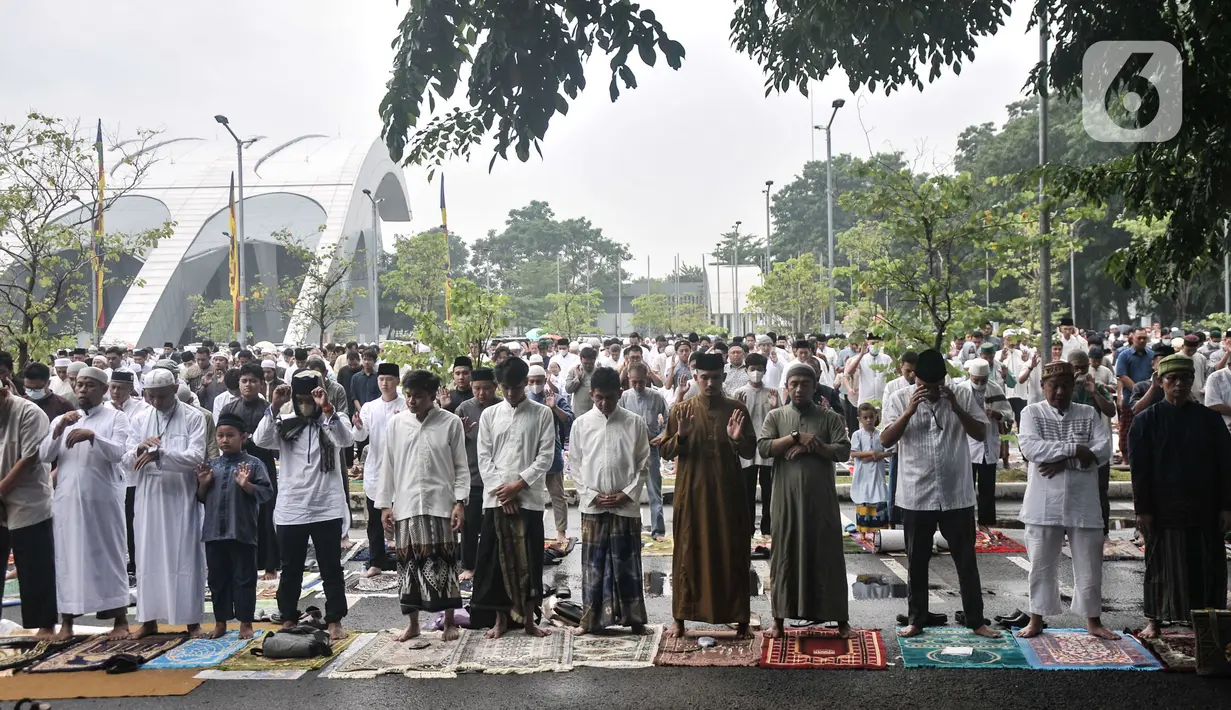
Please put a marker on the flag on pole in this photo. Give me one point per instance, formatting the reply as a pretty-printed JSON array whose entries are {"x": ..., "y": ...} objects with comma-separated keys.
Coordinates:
[
  {"x": 233, "y": 260},
  {"x": 444, "y": 226},
  {"x": 96, "y": 243}
]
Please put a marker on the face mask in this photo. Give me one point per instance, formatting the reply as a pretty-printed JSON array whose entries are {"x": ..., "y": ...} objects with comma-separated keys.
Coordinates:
[
  {"x": 536, "y": 389},
  {"x": 36, "y": 395},
  {"x": 875, "y": 350},
  {"x": 756, "y": 376},
  {"x": 978, "y": 388}
]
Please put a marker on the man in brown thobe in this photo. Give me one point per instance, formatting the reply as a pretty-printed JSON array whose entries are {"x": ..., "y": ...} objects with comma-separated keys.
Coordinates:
[{"x": 707, "y": 435}]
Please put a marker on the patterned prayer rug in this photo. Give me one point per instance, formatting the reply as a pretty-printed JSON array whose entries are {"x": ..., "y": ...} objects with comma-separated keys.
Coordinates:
[
  {"x": 383, "y": 584},
  {"x": 663, "y": 547},
  {"x": 200, "y": 653},
  {"x": 1176, "y": 649},
  {"x": 928, "y": 650},
  {"x": 92, "y": 653},
  {"x": 215, "y": 674},
  {"x": 821, "y": 648},
  {"x": 356, "y": 547},
  {"x": 611, "y": 649},
  {"x": 728, "y": 650},
  {"x": 856, "y": 546},
  {"x": 1115, "y": 549},
  {"x": 515, "y": 652},
  {"x": 379, "y": 654},
  {"x": 245, "y": 661},
  {"x": 997, "y": 542},
  {"x": 1074, "y": 649},
  {"x": 20, "y": 651}
]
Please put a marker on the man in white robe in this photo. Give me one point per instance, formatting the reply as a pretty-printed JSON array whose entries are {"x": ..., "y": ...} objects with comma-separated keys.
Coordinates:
[
  {"x": 989, "y": 397},
  {"x": 1065, "y": 443},
  {"x": 121, "y": 390},
  {"x": 371, "y": 423},
  {"x": 87, "y": 515},
  {"x": 166, "y": 445}
]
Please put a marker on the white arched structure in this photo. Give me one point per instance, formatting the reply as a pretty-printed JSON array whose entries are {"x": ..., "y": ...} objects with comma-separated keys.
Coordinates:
[{"x": 311, "y": 186}]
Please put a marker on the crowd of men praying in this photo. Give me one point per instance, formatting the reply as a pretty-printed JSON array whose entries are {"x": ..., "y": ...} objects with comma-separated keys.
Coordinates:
[{"x": 176, "y": 469}]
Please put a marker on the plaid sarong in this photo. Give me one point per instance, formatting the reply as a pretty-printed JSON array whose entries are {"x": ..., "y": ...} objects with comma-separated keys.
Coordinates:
[{"x": 611, "y": 572}]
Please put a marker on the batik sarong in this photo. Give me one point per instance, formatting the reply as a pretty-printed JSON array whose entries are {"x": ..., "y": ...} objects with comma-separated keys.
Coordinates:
[
  {"x": 427, "y": 564},
  {"x": 508, "y": 576},
  {"x": 870, "y": 517},
  {"x": 1186, "y": 569},
  {"x": 611, "y": 572}
]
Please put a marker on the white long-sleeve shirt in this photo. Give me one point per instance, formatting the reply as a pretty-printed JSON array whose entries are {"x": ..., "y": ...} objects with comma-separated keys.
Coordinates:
[
  {"x": 423, "y": 468},
  {"x": 609, "y": 454},
  {"x": 992, "y": 397},
  {"x": 516, "y": 442},
  {"x": 306, "y": 494},
  {"x": 1046, "y": 435},
  {"x": 374, "y": 418}
]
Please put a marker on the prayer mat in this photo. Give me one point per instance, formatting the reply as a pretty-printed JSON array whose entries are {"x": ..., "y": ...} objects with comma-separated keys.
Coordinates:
[
  {"x": 245, "y": 661},
  {"x": 267, "y": 589},
  {"x": 98, "y": 684},
  {"x": 852, "y": 545},
  {"x": 928, "y": 650},
  {"x": 214, "y": 674},
  {"x": 1115, "y": 549},
  {"x": 610, "y": 649},
  {"x": 383, "y": 584},
  {"x": 20, "y": 651},
  {"x": 727, "y": 651},
  {"x": 1176, "y": 649},
  {"x": 356, "y": 547},
  {"x": 91, "y": 654},
  {"x": 1074, "y": 649},
  {"x": 200, "y": 653},
  {"x": 997, "y": 542},
  {"x": 514, "y": 653},
  {"x": 663, "y": 547},
  {"x": 762, "y": 547},
  {"x": 822, "y": 648},
  {"x": 754, "y": 623},
  {"x": 380, "y": 654}
]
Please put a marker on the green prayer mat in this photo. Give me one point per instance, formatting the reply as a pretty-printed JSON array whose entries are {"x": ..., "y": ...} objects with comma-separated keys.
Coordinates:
[{"x": 928, "y": 650}]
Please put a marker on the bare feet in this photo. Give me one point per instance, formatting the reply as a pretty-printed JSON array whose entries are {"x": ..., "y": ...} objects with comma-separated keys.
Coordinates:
[
  {"x": 986, "y": 632},
  {"x": 412, "y": 629},
  {"x": 194, "y": 631},
  {"x": 844, "y": 630},
  {"x": 336, "y": 632},
  {"x": 450, "y": 633},
  {"x": 372, "y": 571},
  {"x": 48, "y": 633},
  {"x": 676, "y": 629},
  {"x": 245, "y": 630},
  {"x": 580, "y": 631},
  {"x": 219, "y": 630},
  {"x": 65, "y": 632},
  {"x": 1151, "y": 631},
  {"x": 347, "y": 544},
  {"x": 502, "y": 625},
  {"x": 118, "y": 632},
  {"x": 533, "y": 629},
  {"x": 775, "y": 630},
  {"x": 741, "y": 631},
  {"x": 910, "y": 631},
  {"x": 1095, "y": 627},
  {"x": 149, "y": 627},
  {"x": 269, "y": 575},
  {"x": 1030, "y": 630},
  {"x": 466, "y": 575}
]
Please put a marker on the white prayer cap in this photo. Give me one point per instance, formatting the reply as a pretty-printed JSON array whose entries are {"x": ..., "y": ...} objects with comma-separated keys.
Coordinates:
[
  {"x": 536, "y": 359},
  {"x": 978, "y": 367},
  {"x": 100, "y": 361},
  {"x": 1177, "y": 344},
  {"x": 1009, "y": 332},
  {"x": 158, "y": 377},
  {"x": 75, "y": 368},
  {"x": 269, "y": 364},
  {"x": 184, "y": 394},
  {"x": 94, "y": 374},
  {"x": 574, "y": 348},
  {"x": 514, "y": 346},
  {"x": 63, "y": 362},
  {"x": 536, "y": 371},
  {"x": 764, "y": 340}
]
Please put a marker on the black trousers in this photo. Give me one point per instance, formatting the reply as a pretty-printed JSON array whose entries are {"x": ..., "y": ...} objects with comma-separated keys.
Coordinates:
[
  {"x": 1018, "y": 404},
  {"x": 378, "y": 554},
  {"x": 958, "y": 527},
  {"x": 326, "y": 536},
  {"x": 895, "y": 513},
  {"x": 1104, "y": 501},
  {"x": 751, "y": 474},
  {"x": 267, "y": 557},
  {"x": 471, "y": 525},
  {"x": 985, "y": 491},
  {"x": 231, "y": 571},
  {"x": 130, "y": 508},
  {"x": 34, "y": 556}
]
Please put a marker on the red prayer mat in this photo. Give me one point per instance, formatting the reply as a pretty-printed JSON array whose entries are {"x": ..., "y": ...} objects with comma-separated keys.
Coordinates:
[
  {"x": 821, "y": 648},
  {"x": 997, "y": 542}
]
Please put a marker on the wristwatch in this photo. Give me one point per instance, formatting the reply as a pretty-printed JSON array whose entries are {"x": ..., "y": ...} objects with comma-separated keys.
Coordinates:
[
  {"x": 461, "y": 503},
  {"x": 795, "y": 436}
]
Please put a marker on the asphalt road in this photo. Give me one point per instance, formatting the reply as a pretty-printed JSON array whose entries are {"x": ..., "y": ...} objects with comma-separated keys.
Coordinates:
[{"x": 1004, "y": 582}]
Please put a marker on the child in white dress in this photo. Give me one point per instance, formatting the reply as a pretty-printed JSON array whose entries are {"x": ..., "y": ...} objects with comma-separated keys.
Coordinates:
[{"x": 869, "y": 490}]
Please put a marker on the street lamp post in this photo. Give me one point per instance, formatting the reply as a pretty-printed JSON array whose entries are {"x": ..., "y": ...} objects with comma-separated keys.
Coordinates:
[
  {"x": 240, "y": 238},
  {"x": 735, "y": 324},
  {"x": 374, "y": 252},
  {"x": 837, "y": 104},
  {"x": 768, "y": 185}
]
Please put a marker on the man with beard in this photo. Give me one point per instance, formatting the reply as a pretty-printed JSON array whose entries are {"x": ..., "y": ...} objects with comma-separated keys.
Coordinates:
[
  {"x": 166, "y": 445},
  {"x": 708, "y": 435},
  {"x": 371, "y": 424},
  {"x": 309, "y": 439},
  {"x": 517, "y": 443},
  {"x": 270, "y": 379},
  {"x": 483, "y": 384},
  {"x": 250, "y": 407},
  {"x": 87, "y": 515},
  {"x": 807, "y": 563}
]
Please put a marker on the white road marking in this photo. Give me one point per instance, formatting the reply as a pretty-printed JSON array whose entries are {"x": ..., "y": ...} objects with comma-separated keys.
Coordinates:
[{"x": 900, "y": 572}]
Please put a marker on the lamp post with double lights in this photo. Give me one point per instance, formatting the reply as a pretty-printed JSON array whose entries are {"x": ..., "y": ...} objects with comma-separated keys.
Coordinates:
[{"x": 837, "y": 104}]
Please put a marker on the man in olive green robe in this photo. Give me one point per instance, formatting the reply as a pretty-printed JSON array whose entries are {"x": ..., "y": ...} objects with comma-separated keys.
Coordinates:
[
  {"x": 807, "y": 563},
  {"x": 707, "y": 434}
]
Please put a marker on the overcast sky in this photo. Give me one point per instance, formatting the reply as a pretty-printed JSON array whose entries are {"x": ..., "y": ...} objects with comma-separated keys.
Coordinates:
[{"x": 665, "y": 169}]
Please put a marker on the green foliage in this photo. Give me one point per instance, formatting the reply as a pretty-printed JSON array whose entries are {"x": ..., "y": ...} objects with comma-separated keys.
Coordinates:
[
  {"x": 417, "y": 279},
  {"x": 655, "y": 313},
  {"x": 687, "y": 273},
  {"x": 573, "y": 313},
  {"x": 1221, "y": 321},
  {"x": 213, "y": 320},
  {"x": 478, "y": 315},
  {"x": 793, "y": 295},
  {"x": 1174, "y": 281},
  {"x": 324, "y": 296},
  {"x": 737, "y": 248},
  {"x": 47, "y": 167}
]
